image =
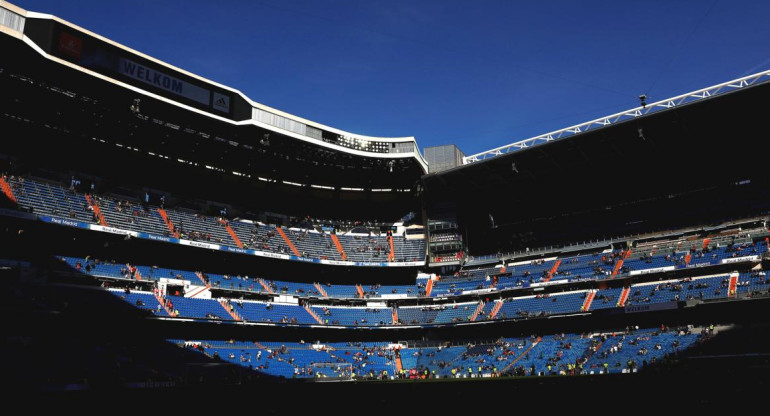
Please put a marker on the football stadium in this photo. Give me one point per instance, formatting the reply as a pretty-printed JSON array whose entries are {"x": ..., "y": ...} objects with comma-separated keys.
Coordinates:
[{"x": 164, "y": 234}]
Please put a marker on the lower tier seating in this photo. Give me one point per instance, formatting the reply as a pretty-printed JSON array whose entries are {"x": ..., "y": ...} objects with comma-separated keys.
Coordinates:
[{"x": 557, "y": 354}]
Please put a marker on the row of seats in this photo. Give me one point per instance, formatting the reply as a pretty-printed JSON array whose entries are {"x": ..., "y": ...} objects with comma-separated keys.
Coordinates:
[
  {"x": 508, "y": 278},
  {"x": 525, "y": 307},
  {"x": 606, "y": 298},
  {"x": 99, "y": 268},
  {"x": 47, "y": 199},
  {"x": 562, "y": 354},
  {"x": 597, "y": 266},
  {"x": 51, "y": 200}
]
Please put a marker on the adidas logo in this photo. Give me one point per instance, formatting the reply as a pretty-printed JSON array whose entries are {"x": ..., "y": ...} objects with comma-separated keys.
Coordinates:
[{"x": 221, "y": 102}]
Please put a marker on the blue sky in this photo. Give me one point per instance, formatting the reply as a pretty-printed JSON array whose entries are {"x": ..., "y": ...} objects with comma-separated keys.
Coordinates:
[{"x": 479, "y": 74}]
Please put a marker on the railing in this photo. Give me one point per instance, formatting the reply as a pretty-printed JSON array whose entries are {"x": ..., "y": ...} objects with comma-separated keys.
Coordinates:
[
  {"x": 372, "y": 145},
  {"x": 541, "y": 250}
]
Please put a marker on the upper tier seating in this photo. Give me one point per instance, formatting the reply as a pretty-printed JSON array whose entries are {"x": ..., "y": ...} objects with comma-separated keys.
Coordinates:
[
  {"x": 47, "y": 199},
  {"x": 57, "y": 201},
  {"x": 130, "y": 216}
]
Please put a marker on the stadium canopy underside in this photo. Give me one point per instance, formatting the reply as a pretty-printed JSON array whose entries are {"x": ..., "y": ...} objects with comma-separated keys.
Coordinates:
[{"x": 67, "y": 120}]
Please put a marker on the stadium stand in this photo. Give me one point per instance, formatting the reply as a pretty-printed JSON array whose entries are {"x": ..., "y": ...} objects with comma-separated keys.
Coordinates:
[
  {"x": 702, "y": 288},
  {"x": 562, "y": 354},
  {"x": 49, "y": 199},
  {"x": 516, "y": 276},
  {"x": 217, "y": 289}
]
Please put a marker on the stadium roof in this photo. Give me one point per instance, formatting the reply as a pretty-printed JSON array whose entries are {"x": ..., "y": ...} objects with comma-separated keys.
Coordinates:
[
  {"x": 682, "y": 163},
  {"x": 642, "y": 110},
  {"x": 20, "y": 24}
]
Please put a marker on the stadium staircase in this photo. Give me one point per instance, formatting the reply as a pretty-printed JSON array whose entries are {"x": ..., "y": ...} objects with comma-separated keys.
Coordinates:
[
  {"x": 137, "y": 273},
  {"x": 314, "y": 315},
  {"x": 496, "y": 309},
  {"x": 687, "y": 258},
  {"x": 477, "y": 311},
  {"x": 591, "y": 352},
  {"x": 553, "y": 270},
  {"x": 288, "y": 241},
  {"x": 265, "y": 286},
  {"x": 399, "y": 364},
  {"x": 395, "y": 316},
  {"x": 587, "y": 303},
  {"x": 233, "y": 235},
  {"x": 162, "y": 303},
  {"x": 200, "y": 276},
  {"x": 494, "y": 281},
  {"x": 360, "y": 291},
  {"x": 7, "y": 190},
  {"x": 429, "y": 286},
  {"x": 320, "y": 290},
  {"x": 624, "y": 296},
  {"x": 97, "y": 212},
  {"x": 733, "y": 292},
  {"x": 457, "y": 357},
  {"x": 168, "y": 222},
  {"x": 618, "y": 266},
  {"x": 230, "y": 310},
  {"x": 392, "y": 253},
  {"x": 522, "y": 355},
  {"x": 339, "y": 247}
]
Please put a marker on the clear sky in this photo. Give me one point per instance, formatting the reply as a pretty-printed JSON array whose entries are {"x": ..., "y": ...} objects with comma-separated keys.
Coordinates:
[{"x": 479, "y": 74}]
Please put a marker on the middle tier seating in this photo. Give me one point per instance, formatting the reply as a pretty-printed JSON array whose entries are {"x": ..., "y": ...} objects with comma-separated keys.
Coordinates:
[
  {"x": 488, "y": 279},
  {"x": 522, "y": 307}
]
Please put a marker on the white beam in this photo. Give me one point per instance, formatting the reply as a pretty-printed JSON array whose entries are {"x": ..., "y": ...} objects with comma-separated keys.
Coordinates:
[{"x": 657, "y": 106}]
